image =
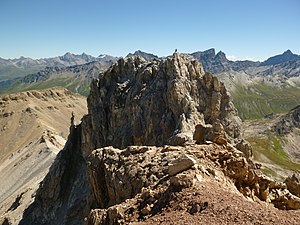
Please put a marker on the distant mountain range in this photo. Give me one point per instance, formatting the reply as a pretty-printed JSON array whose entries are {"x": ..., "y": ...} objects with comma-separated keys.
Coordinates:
[
  {"x": 258, "y": 88},
  {"x": 76, "y": 78},
  {"x": 11, "y": 68},
  {"x": 285, "y": 63},
  {"x": 212, "y": 62},
  {"x": 278, "y": 59},
  {"x": 216, "y": 63},
  {"x": 67, "y": 59}
]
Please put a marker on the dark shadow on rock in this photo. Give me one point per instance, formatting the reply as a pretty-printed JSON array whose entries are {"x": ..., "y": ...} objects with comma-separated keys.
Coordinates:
[{"x": 62, "y": 195}]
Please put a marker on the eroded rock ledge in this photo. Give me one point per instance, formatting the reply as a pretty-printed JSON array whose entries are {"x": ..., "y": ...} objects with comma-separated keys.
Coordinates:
[{"x": 140, "y": 181}]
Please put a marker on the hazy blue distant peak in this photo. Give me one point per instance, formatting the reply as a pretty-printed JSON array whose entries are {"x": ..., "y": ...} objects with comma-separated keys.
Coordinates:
[
  {"x": 221, "y": 56},
  {"x": 288, "y": 52},
  {"x": 209, "y": 53},
  {"x": 145, "y": 55},
  {"x": 284, "y": 57},
  {"x": 106, "y": 58}
]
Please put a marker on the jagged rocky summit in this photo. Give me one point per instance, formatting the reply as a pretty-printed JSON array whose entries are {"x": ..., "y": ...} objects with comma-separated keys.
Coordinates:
[
  {"x": 156, "y": 103},
  {"x": 146, "y": 108}
]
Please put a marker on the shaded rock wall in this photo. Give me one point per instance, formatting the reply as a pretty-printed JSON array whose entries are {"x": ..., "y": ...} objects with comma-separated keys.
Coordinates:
[{"x": 63, "y": 194}]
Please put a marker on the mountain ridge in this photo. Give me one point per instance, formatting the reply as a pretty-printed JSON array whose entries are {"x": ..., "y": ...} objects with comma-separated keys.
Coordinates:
[
  {"x": 24, "y": 65},
  {"x": 67, "y": 58},
  {"x": 76, "y": 78},
  {"x": 208, "y": 54},
  {"x": 260, "y": 80},
  {"x": 34, "y": 126},
  {"x": 278, "y": 59}
]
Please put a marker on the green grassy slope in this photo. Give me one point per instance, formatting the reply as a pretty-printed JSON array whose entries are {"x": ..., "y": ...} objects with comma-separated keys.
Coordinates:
[
  {"x": 253, "y": 104},
  {"x": 10, "y": 72},
  {"x": 269, "y": 151},
  {"x": 259, "y": 100},
  {"x": 76, "y": 85}
]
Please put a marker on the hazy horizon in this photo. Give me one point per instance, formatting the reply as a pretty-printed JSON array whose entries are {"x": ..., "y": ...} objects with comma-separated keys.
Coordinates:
[{"x": 229, "y": 57}]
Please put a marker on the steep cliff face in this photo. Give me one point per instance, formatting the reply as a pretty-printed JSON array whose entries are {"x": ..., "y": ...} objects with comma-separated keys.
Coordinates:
[
  {"x": 155, "y": 103},
  {"x": 63, "y": 194}
]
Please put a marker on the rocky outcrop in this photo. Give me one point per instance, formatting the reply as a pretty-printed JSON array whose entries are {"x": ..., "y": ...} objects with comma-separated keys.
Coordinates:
[
  {"x": 116, "y": 175},
  {"x": 155, "y": 103},
  {"x": 141, "y": 181},
  {"x": 293, "y": 184},
  {"x": 250, "y": 181},
  {"x": 288, "y": 122},
  {"x": 151, "y": 173}
]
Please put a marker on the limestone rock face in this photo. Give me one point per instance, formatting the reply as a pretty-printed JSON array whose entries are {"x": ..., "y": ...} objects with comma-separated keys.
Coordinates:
[
  {"x": 250, "y": 181},
  {"x": 155, "y": 103}
]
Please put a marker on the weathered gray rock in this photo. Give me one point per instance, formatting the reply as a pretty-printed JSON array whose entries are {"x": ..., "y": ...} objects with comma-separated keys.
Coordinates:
[
  {"x": 286, "y": 201},
  {"x": 113, "y": 177},
  {"x": 245, "y": 147},
  {"x": 155, "y": 103},
  {"x": 201, "y": 132},
  {"x": 116, "y": 175},
  {"x": 110, "y": 216},
  {"x": 251, "y": 182}
]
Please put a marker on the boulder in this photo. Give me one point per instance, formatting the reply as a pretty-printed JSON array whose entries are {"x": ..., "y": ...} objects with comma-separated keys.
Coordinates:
[
  {"x": 183, "y": 163},
  {"x": 293, "y": 184},
  {"x": 201, "y": 132}
]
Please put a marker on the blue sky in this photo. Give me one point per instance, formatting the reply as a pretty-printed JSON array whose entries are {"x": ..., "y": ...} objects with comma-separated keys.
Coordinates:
[{"x": 254, "y": 29}]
